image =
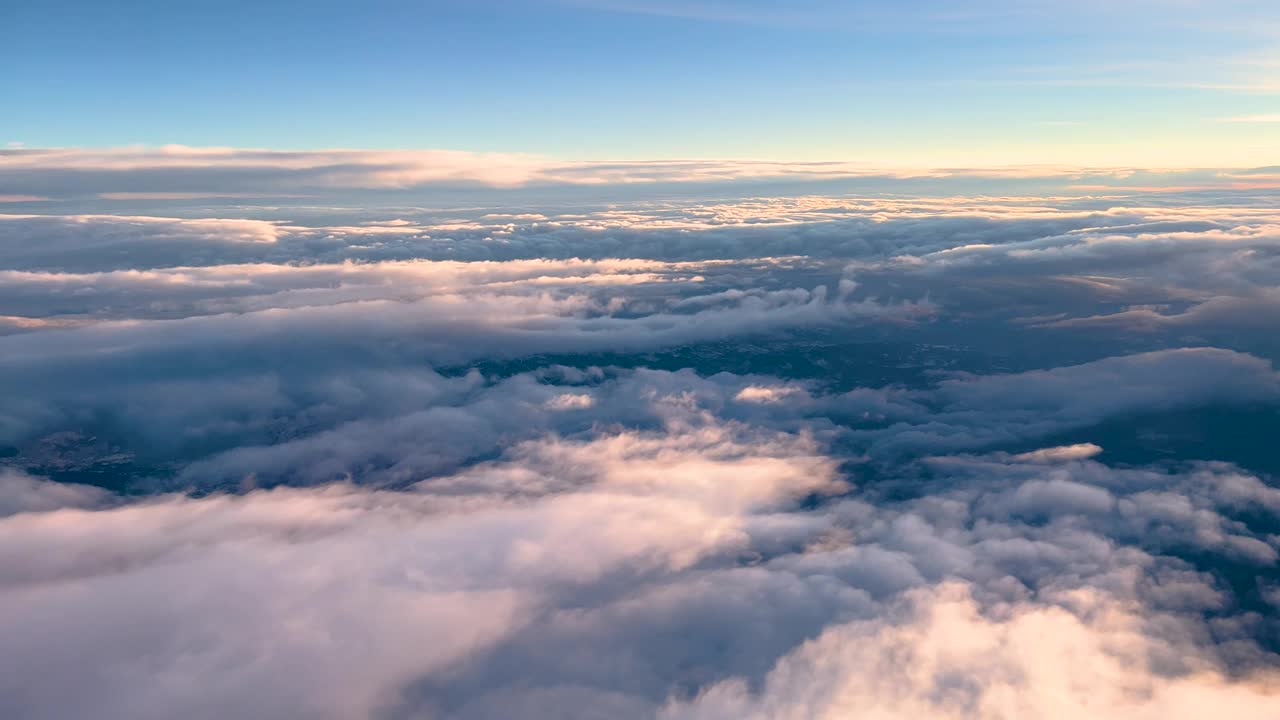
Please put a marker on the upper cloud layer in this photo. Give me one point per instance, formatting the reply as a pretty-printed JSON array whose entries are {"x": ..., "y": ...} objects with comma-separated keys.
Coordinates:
[{"x": 179, "y": 172}]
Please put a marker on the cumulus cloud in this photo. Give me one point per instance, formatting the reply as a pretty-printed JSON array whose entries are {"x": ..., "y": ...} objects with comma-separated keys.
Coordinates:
[
  {"x": 19, "y": 493},
  {"x": 203, "y": 607},
  {"x": 679, "y": 457},
  {"x": 969, "y": 412},
  {"x": 765, "y": 394},
  {"x": 947, "y": 659},
  {"x": 684, "y": 555}
]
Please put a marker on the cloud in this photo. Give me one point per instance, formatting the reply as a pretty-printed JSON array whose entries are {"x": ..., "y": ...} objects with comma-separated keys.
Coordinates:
[
  {"x": 1082, "y": 451},
  {"x": 177, "y": 172},
  {"x": 689, "y": 457},
  {"x": 765, "y": 395},
  {"x": 128, "y": 196},
  {"x": 21, "y": 493},
  {"x": 262, "y": 604},
  {"x": 1159, "y": 270},
  {"x": 187, "y": 323},
  {"x": 502, "y": 587},
  {"x": 991, "y": 410},
  {"x": 947, "y": 659}
]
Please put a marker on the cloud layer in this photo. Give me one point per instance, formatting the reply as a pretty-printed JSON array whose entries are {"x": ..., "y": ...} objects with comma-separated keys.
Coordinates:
[
  {"x": 176, "y": 172},
  {"x": 961, "y": 456}
]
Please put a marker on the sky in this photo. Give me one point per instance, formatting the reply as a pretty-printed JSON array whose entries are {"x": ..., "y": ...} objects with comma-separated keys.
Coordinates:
[
  {"x": 1156, "y": 83},
  {"x": 625, "y": 360}
]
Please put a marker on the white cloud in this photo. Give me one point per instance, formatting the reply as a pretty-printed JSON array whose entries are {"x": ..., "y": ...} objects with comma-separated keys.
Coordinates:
[
  {"x": 949, "y": 660},
  {"x": 703, "y": 458},
  {"x": 179, "y": 172},
  {"x": 21, "y": 493},
  {"x": 1066, "y": 453},
  {"x": 331, "y": 601},
  {"x": 570, "y": 401},
  {"x": 766, "y": 395}
]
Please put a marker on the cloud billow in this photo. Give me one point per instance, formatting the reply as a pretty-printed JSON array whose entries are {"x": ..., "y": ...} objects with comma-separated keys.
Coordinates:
[{"x": 789, "y": 455}]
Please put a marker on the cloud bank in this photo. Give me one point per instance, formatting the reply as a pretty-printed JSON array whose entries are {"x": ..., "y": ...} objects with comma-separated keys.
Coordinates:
[
  {"x": 176, "y": 172},
  {"x": 694, "y": 456}
]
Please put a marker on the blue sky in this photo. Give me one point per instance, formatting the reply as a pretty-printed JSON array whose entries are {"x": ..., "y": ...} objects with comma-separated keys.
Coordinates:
[{"x": 920, "y": 82}]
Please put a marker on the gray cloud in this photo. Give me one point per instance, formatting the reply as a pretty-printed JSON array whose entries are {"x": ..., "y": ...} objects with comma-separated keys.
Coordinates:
[
  {"x": 681, "y": 457},
  {"x": 498, "y": 588}
]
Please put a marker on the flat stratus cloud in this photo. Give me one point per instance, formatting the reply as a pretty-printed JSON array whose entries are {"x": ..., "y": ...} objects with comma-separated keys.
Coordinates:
[
  {"x": 146, "y": 168},
  {"x": 190, "y": 173}
]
